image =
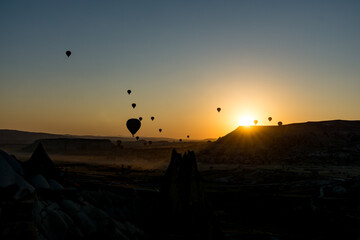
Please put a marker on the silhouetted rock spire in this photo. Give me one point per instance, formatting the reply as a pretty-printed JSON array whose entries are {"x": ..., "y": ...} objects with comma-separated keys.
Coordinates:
[
  {"x": 184, "y": 205},
  {"x": 41, "y": 163},
  {"x": 182, "y": 177}
]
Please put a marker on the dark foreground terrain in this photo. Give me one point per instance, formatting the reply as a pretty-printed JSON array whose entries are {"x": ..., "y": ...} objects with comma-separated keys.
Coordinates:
[
  {"x": 228, "y": 189},
  {"x": 251, "y": 203}
]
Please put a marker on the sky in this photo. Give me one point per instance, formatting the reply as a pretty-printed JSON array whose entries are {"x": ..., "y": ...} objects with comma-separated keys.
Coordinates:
[{"x": 295, "y": 61}]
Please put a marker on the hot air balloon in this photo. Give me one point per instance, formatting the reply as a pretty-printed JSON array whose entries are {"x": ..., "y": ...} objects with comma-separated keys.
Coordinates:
[
  {"x": 255, "y": 121},
  {"x": 152, "y": 118},
  {"x": 218, "y": 109},
  {"x": 269, "y": 118},
  {"x": 137, "y": 138},
  {"x": 187, "y": 136},
  {"x": 140, "y": 118},
  {"x": 129, "y": 91},
  {"x": 133, "y": 125},
  {"x": 160, "y": 130},
  {"x": 68, "y": 53},
  {"x": 180, "y": 140},
  {"x": 280, "y": 123},
  {"x": 133, "y": 105},
  {"x": 150, "y": 142}
]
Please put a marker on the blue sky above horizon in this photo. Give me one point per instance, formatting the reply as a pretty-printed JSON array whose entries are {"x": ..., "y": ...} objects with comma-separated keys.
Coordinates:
[{"x": 293, "y": 60}]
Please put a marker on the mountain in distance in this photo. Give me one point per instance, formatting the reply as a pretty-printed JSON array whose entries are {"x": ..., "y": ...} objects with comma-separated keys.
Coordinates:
[
  {"x": 22, "y": 137},
  {"x": 13, "y": 137},
  {"x": 325, "y": 142}
]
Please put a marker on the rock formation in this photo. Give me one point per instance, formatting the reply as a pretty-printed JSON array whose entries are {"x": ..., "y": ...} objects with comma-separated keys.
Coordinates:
[
  {"x": 183, "y": 201},
  {"x": 41, "y": 163},
  {"x": 34, "y": 205}
]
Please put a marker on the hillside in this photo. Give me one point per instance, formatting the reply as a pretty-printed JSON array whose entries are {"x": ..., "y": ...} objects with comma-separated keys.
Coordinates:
[
  {"x": 331, "y": 142},
  {"x": 73, "y": 145},
  {"x": 11, "y": 137},
  {"x": 21, "y": 137}
]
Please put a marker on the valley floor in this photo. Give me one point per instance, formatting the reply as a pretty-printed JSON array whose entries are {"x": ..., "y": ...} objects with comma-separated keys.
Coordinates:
[{"x": 263, "y": 202}]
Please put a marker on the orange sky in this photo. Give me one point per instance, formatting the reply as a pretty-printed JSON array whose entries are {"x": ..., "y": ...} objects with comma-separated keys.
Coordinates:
[{"x": 293, "y": 61}]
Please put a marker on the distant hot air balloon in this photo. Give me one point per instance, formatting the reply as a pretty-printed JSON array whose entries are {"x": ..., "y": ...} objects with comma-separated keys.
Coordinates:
[
  {"x": 133, "y": 105},
  {"x": 180, "y": 140},
  {"x": 269, "y": 118},
  {"x": 137, "y": 138},
  {"x": 68, "y": 53},
  {"x": 150, "y": 142},
  {"x": 187, "y": 136},
  {"x": 140, "y": 118},
  {"x": 133, "y": 125},
  {"x": 255, "y": 121},
  {"x": 280, "y": 123},
  {"x": 152, "y": 118},
  {"x": 218, "y": 109},
  {"x": 160, "y": 130},
  {"x": 129, "y": 91}
]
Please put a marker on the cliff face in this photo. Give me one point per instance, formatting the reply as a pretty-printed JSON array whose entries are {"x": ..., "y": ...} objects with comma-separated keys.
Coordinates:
[{"x": 334, "y": 142}]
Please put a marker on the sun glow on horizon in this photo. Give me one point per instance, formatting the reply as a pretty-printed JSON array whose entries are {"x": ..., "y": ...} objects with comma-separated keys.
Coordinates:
[{"x": 245, "y": 120}]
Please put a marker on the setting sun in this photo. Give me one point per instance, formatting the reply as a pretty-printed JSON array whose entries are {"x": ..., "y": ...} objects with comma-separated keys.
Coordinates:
[{"x": 246, "y": 120}]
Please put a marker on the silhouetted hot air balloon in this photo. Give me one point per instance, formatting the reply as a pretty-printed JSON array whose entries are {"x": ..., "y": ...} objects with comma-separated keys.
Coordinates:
[
  {"x": 140, "y": 118},
  {"x": 255, "y": 121},
  {"x": 68, "y": 53},
  {"x": 218, "y": 109},
  {"x": 129, "y": 91},
  {"x": 160, "y": 130},
  {"x": 280, "y": 123},
  {"x": 150, "y": 142},
  {"x": 152, "y": 118},
  {"x": 137, "y": 138},
  {"x": 133, "y": 105},
  {"x": 187, "y": 136},
  {"x": 133, "y": 125},
  {"x": 269, "y": 118},
  {"x": 180, "y": 140}
]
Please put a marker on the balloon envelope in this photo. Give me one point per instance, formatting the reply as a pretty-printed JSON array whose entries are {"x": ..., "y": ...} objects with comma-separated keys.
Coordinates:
[
  {"x": 140, "y": 118},
  {"x": 187, "y": 136},
  {"x": 280, "y": 123},
  {"x": 128, "y": 91},
  {"x": 269, "y": 118},
  {"x": 255, "y": 121},
  {"x": 218, "y": 109},
  {"x": 133, "y": 125},
  {"x": 160, "y": 130},
  {"x": 152, "y": 118},
  {"x": 68, "y": 53},
  {"x": 133, "y": 105}
]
